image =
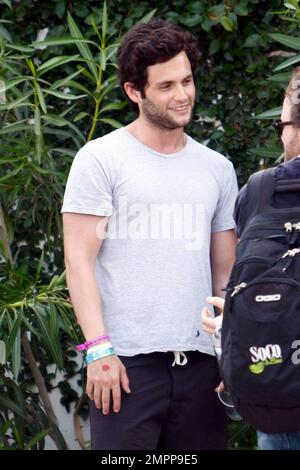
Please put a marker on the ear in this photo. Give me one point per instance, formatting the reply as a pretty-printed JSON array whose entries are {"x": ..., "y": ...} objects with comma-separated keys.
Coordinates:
[{"x": 132, "y": 92}]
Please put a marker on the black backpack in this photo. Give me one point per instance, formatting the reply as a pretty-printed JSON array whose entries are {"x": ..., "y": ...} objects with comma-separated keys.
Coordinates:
[{"x": 261, "y": 326}]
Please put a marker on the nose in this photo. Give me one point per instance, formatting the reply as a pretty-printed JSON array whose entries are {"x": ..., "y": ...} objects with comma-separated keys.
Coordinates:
[{"x": 180, "y": 93}]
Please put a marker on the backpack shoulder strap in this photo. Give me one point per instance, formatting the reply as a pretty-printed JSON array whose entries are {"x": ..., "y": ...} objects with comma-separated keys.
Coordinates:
[{"x": 259, "y": 194}]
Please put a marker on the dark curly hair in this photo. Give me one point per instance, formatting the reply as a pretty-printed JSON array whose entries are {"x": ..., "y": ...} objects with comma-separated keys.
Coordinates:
[{"x": 150, "y": 43}]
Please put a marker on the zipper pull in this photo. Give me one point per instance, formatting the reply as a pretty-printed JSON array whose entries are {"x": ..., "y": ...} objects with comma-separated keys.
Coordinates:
[
  {"x": 293, "y": 252},
  {"x": 297, "y": 227},
  {"x": 288, "y": 227},
  {"x": 238, "y": 288}
]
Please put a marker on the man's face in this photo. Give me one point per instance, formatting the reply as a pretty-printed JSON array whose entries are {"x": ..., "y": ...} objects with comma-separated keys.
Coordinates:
[
  {"x": 169, "y": 93},
  {"x": 290, "y": 135}
]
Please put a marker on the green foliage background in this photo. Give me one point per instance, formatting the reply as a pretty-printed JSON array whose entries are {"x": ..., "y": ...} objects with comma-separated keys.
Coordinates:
[{"x": 55, "y": 98}]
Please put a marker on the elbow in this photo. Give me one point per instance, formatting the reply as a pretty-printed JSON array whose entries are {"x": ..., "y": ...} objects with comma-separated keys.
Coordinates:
[{"x": 77, "y": 263}]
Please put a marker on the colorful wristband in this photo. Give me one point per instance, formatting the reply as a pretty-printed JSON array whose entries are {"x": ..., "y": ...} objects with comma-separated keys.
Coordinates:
[
  {"x": 92, "y": 342},
  {"x": 99, "y": 347},
  {"x": 99, "y": 355}
]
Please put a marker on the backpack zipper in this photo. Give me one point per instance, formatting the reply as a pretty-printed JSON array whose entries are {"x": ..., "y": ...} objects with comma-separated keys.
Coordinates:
[{"x": 237, "y": 289}]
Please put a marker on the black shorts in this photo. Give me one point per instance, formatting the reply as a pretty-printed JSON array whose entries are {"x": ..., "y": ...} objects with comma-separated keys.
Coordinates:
[{"x": 169, "y": 408}]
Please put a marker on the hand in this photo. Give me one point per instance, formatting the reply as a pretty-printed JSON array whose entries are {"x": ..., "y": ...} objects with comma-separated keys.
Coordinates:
[
  {"x": 104, "y": 377},
  {"x": 220, "y": 388},
  {"x": 208, "y": 321}
]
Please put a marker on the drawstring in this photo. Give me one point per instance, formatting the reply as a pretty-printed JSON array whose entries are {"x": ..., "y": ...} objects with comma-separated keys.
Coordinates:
[{"x": 178, "y": 355}]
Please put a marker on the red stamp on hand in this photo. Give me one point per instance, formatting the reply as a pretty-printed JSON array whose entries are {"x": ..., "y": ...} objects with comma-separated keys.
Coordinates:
[{"x": 105, "y": 367}]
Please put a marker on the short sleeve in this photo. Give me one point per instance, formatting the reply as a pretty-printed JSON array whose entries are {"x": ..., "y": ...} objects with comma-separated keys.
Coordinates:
[
  {"x": 88, "y": 189},
  {"x": 223, "y": 217},
  {"x": 239, "y": 210}
]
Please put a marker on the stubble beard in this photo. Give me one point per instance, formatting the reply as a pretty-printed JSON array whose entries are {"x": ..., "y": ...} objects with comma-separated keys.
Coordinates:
[
  {"x": 161, "y": 120},
  {"x": 292, "y": 151}
]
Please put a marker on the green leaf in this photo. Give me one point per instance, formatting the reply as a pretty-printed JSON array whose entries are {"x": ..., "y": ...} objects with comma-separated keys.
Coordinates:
[
  {"x": 241, "y": 10},
  {"x": 108, "y": 86},
  {"x": 227, "y": 23},
  {"x": 83, "y": 47},
  {"x": 216, "y": 11},
  {"x": 104, "y": 20},
  {"x": 148, "y": 17},
  {"x": 14, "y": 329},
  {"x": 16, "y": 127},
  {"x": 39, "y": 266},
  {"x": 16, "y": 353},
  {"x": 7, "y": 3},
  {"x": 289, "y": 41},
  {"x": 41, "y": 98},
  {"x": 287, "y": 63},
  {"x": 7, "y": 84},
  {"x": 19, "y": 102},
  {"x": 113, "y": 106},
  {"x": 60, "y": 9},
  {"x": 56, "y": 62},
  {"x": 112, "y": 122},
  {"x": 280, "y": 77},
  {"x": 80, "y": 116},
  {"x": 12, "y": 173},
  {"x": 51, "y": 342},
  {"x": 290, "y": 6},
  {"x": 271, "y": 113},
  {"x": 63, "y": 40},
  {"x": 214, "y": 46},
  {"x": 55, "y": 120},
  {"x": 111, "y": 50},
  {"x": 65, "y": 81},
  {"x": 4, "y": 33},
  {"x": 253, "y": 40},
  {"x": 79, "y": 86},
  {"x": 20, "y": 47},
  {"x": 8, "y": 404},
  {"x": 271, "y": 152},
  {"x": 37, "y": 438},
  {"x": 64, "y": 96}
]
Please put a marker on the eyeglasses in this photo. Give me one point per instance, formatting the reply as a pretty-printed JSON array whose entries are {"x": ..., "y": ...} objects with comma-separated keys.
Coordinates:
[{"x": 279, "y": 125}]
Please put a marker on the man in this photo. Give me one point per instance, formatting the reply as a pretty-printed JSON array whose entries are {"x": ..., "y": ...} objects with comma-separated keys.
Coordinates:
[
  {"x": 148, "y": 234},
  {"x": 289, "y": 131}
]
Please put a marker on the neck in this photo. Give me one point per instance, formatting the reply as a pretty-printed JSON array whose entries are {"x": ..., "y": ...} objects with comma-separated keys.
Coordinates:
[
  {"x": 161, "y": 140},
  {"x": 290, "y": 157}
]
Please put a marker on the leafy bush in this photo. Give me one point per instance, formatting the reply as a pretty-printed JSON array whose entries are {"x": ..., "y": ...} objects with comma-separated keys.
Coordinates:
[{"x": 58, "y": 89}]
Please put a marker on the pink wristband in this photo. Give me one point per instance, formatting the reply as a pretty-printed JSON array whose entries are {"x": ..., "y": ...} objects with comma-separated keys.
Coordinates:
[{"x": 92, "y": 342}]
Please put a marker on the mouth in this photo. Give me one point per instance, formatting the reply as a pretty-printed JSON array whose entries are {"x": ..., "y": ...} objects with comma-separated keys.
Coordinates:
[{"x": 182, "y": 109}]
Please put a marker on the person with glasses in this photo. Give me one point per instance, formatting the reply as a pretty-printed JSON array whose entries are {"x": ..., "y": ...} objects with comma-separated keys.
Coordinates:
[{"x": 288, "y": 129}]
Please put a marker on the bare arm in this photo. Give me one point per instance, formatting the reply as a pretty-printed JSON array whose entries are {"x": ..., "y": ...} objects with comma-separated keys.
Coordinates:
[
  {"x": 82, "y": 242},
  {"x": 222, "y": 256},
  {"x": 83, "y": 235}
]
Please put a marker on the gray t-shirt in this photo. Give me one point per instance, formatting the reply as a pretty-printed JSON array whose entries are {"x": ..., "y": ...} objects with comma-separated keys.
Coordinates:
[{"x": 153, "y": 269}]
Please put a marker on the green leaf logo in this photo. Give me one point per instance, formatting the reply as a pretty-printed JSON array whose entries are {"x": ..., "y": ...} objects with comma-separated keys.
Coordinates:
[{"x": 257, "y": 368}]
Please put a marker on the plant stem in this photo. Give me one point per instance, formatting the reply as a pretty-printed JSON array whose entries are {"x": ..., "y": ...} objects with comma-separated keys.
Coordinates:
[
  {"x": 40, "y": 383},
  {"x": 97, "y": 107}
]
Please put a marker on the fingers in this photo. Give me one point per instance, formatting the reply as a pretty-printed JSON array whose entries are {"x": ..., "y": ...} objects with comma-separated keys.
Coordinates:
[
  {"x": 205, "y": 313},
  {"x": 116, "y": 396},
  {"x": 89, "y": 389},
  {"x": 220, "y": 387},
  {"x": 97, "y": 393},
  {"x": 208, "y": 323},
  {"x": 105, "y": 399},
  {"x": 216, "y": 302},
  {"x": 124, "y": 380}
]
